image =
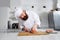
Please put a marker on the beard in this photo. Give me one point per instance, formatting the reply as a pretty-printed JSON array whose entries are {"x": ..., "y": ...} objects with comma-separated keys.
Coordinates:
[{"x": 25, "y": 17}]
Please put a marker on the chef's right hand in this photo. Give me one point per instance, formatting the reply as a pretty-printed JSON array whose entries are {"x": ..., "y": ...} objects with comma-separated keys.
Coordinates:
[{"x": 25, "y": 29}]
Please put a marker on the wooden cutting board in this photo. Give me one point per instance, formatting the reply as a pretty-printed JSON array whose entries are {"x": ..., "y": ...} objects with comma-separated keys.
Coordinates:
[{"x": 30, "y": 34}]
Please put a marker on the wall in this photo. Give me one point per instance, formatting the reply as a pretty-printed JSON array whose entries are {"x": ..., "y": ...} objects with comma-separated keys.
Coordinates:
[
  {"x": 58, "y": 3},
  {"x": 38, "y": 5},
  {"x": 14, "y": 3},
  {"x": 55, "y": 4},
  {"x": 4, "y": 11},
  {"x": 4, "y": 3}
]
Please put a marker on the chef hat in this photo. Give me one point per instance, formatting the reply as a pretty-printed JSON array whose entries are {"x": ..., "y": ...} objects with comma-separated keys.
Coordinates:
[{"x": 18, "y": 12}]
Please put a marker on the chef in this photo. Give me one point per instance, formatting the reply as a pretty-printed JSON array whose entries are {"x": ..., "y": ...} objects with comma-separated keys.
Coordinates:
[{"x": 28, "y": 20}]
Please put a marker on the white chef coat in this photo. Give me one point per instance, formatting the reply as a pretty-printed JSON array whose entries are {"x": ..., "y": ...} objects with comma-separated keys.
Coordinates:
[{"x": 32, "y": 19}]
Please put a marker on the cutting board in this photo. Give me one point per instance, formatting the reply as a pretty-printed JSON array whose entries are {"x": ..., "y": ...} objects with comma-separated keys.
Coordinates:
[{"x": 30, "y": 34}]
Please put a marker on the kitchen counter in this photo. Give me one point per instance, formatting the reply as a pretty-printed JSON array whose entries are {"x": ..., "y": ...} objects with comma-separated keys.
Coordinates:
[{"x": 13, "y": 36}]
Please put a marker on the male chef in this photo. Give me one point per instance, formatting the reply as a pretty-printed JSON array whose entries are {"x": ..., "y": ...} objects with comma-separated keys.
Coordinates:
[{"x": 28, "y": 20}]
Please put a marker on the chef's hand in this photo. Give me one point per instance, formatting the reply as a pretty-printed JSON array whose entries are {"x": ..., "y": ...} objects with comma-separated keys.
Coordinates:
[
  {"x": 49, "y": 30},
  {"x": 34, "y": 28},
  {"x": 26, "y": 29}
]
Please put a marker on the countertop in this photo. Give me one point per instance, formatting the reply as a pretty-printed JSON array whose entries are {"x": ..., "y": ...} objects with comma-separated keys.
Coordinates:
[{"x": 13, "y": 36}]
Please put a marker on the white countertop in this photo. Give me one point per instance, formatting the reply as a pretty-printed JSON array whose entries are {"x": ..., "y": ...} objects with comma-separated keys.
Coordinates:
[{"x": 13, "y": 36}]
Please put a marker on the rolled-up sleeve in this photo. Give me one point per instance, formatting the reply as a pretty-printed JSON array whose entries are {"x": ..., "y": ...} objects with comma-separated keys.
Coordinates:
[{"x": 37, "y": 19}]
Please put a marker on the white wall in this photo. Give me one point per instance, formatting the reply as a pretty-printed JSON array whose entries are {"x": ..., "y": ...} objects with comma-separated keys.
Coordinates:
[
  {"x": 4, "y": 11},
  {"x": 38, "y": 5},
  {"x": 58, "y": 3},
  {"x": 4, "y": 3},
  {"x": 14, "y": 3}
]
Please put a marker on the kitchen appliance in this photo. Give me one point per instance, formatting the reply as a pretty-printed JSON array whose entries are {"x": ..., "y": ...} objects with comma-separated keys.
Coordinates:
[{"x": 56, "y": 15}]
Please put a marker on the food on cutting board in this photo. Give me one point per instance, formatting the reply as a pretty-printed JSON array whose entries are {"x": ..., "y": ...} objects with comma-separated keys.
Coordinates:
[{"x": 49, "y": 30}]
